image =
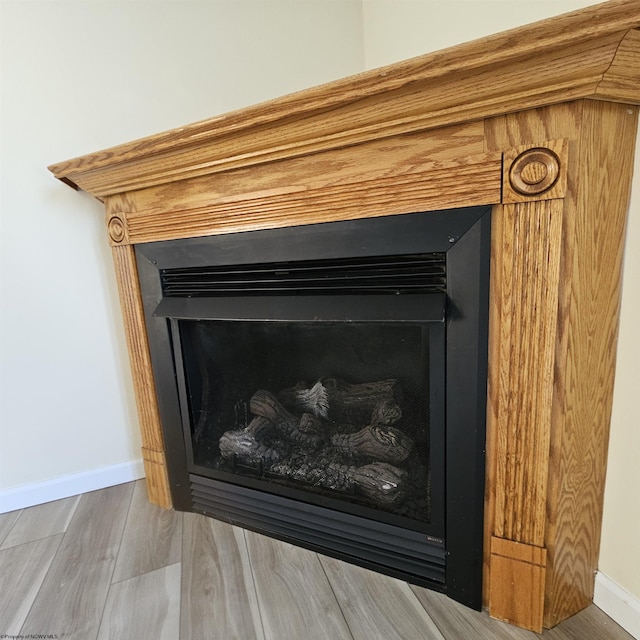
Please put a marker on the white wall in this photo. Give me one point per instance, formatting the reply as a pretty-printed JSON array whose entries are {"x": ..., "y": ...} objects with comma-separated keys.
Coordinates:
[
  {"x": 78, "y": 76},
  {"x": 399, "y": 29},
  {"x": 395, "y": 30}
]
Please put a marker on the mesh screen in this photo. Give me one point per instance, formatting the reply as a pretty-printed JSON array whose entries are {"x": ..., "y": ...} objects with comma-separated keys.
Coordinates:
[{"x": 338, "y": 410}]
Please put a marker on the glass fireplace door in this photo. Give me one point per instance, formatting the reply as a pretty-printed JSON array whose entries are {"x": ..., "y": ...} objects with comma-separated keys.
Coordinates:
[{"x": 345, "y": 414}]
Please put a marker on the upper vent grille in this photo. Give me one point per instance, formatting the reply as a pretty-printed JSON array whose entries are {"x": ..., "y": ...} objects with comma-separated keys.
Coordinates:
[{"x": 416, "y": 273}]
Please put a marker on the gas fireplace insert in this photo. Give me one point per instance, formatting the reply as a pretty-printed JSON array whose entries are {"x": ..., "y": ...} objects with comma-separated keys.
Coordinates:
[{"x": 326, "y": 385}]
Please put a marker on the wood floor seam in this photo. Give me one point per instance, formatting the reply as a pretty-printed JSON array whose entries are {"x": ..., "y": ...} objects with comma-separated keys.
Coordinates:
[
  {"x": 145, "y": 606},
  {"x": 53, "y": 560},
  {"x": 336, "y": 597},
  {"x": 7, "y": 522},
  {"x": 104, "y": 607},
  {"x": 40, "y": 522},
  {"x": 152, "y": 537},
  {"x": 224, "y": 583},
  {"x": 73, "y": 594},
  {"x": 21, "y": 588},
  {"x": 119, "y": 546},
  {"x": 124, "y": 528},
  {"x": 253, "y": 581}
]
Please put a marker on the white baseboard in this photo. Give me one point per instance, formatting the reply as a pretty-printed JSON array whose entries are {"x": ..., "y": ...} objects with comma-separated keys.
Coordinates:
[
  {"x": 28, "y": 495},
  {"x": 618, "y": 604}
]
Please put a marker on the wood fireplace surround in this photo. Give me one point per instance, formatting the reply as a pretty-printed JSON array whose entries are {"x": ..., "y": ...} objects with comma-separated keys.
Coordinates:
[{"x": 538, "y": 122}]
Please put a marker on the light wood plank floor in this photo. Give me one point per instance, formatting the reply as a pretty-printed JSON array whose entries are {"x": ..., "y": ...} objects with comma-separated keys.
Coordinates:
[{"x": 108, "y": 566}]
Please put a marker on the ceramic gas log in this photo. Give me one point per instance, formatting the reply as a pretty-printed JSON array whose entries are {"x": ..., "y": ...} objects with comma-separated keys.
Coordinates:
[
  {"x": 338, "y": 400},
  {"x": 315, "y": 441}
]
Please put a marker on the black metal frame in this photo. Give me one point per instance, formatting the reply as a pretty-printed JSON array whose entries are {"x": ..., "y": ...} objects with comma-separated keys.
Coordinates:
[{"x": 464, "y": 234}]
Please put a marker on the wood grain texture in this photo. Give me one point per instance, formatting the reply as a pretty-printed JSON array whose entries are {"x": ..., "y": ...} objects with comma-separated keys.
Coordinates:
[
  {"x": 584, "y": 377},
  {"x": 158, "y": 489},
  {"x": 146, "y": 607},
  {"x": 118, "y": 207},
  {"x": 555, "y": 60},
  {"x": 504, "y": 133},
  {"x": 456, "y": 621},
  {"x": 218, "y": 594},
  {"x": 155, "y": 471},
  {"x": 143, "y": 382},
  {"x": 493, "y": 394},
  {"x": 436, "y": 185},
  {"x": 293, "y": 592},
  {"x": 74, "y": 591},
  {"x": 526, "y": 315},
  {"x": 516, "y": 591},
  {"x": 526, "y": 158},
  {"x": 376, "y": 159},
  {"x": 392, "y": 610},
  {"x": 22, "y": 571},
  {"x": 516, "y": 584},
  {"x": 518, "y": 551},
  {"x": 42, "y": 521},
  {"x": 397, "y": 175},
  {"x": 621, "y": 80},
  {"x": 7, "y": 520},
  {"x": 135, "y": 329},
  {"x": 591, "y": 623},
  {"x": 534, "y": 126},
  {"x": 601, "y": 138},
  {"x": 152, "y": 537}
]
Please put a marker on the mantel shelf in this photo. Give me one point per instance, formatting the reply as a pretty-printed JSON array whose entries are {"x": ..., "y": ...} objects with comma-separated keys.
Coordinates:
[{"x": 591, "y": 53}]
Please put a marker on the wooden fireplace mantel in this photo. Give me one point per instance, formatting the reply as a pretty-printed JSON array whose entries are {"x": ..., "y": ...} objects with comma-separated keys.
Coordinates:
[{"x": 539, "y": 122}]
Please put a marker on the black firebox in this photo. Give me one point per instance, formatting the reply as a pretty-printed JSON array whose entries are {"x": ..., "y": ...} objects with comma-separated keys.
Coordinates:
[{"x": 326, "y": 385}]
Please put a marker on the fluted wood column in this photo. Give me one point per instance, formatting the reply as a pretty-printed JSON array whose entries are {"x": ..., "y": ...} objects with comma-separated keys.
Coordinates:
[{"x": 124, "y": 260}]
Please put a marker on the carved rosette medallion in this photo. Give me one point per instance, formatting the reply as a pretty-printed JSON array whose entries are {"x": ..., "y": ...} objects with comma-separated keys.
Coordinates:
[
  {"x": 116, "y": 229},
  {"x": 534, "y": 172}
]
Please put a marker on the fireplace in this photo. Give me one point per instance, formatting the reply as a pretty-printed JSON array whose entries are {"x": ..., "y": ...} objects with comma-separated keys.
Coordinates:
[
  {"x": 326, "y": 384},
  {"x": 539, "y": 123}
]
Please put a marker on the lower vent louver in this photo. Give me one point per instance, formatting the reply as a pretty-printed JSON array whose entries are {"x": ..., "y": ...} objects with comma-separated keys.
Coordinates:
[{"x": 375, "y": 545}]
